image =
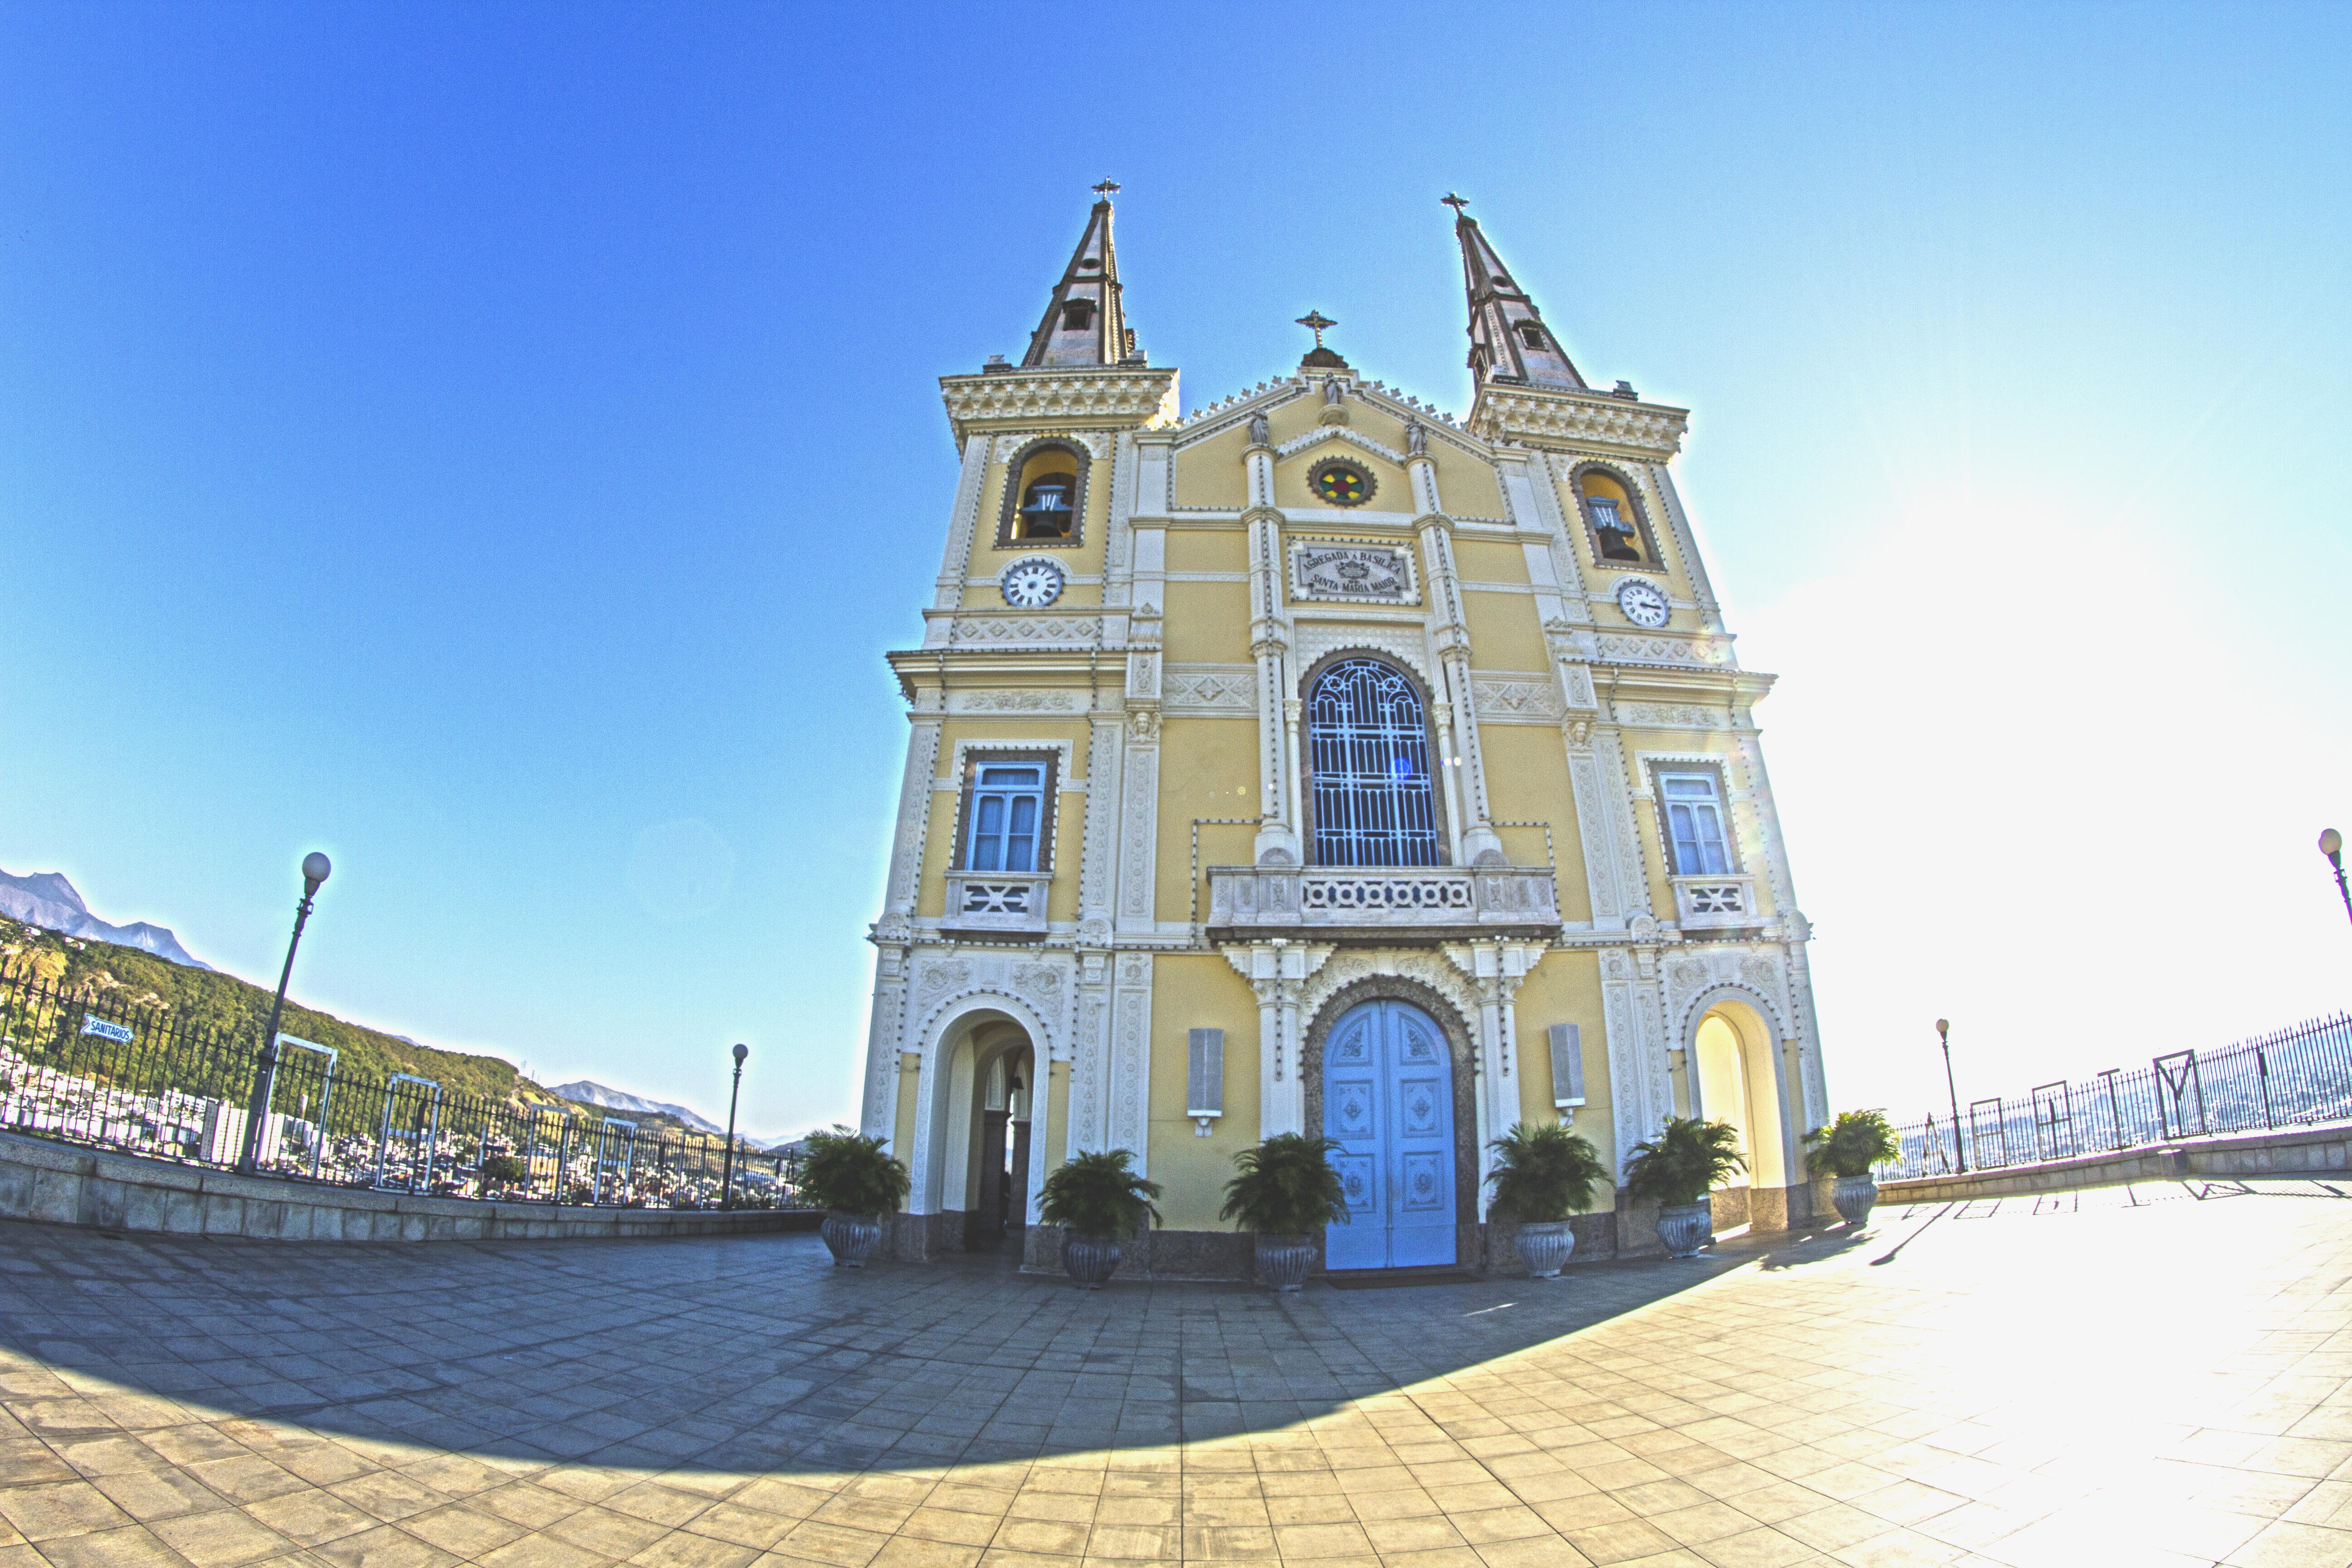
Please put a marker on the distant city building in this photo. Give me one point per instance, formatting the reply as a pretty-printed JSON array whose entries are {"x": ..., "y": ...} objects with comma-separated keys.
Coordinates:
[{"x": 1319, "y": 762}]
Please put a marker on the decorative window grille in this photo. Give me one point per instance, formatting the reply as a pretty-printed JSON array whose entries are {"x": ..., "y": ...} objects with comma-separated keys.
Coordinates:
[
  {"x": 1694, "y": 824},
  {"x": 1368, "y": 744},
  {"x": 1007, "y": 802}
]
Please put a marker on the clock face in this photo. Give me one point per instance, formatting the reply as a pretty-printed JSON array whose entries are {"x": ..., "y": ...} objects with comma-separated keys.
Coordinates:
[
  {"x": 1030, "y": 584},
  {"x": 1644, "y": 604},
  {"x": 1341, "y": 484}
]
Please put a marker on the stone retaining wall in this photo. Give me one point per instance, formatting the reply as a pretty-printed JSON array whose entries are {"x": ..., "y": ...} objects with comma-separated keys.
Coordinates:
[
  {"x": 61, "y": 1184},
  {"x": 2299, "y": 1152}
]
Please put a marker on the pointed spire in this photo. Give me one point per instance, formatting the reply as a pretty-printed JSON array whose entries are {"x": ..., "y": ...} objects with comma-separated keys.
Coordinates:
[
  {"x": 1083, "y": 324},
  {"x": 1509, "y": 339}
]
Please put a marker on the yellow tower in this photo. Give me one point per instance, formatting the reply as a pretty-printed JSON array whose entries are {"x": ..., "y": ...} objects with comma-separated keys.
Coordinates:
[{"x": 1318, "y": 761}]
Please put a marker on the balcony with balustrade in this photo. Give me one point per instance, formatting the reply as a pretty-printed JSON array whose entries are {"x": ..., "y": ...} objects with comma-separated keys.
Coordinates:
[{"x": 1381, "y": 904}]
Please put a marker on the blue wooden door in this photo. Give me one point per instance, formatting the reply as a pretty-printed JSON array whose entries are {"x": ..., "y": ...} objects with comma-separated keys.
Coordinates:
[{"x": 1388, "y": 1100}]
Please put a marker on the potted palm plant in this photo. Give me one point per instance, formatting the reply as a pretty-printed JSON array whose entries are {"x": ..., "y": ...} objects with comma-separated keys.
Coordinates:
[
  {"x": 855, "y": 1180},
  {"x": 1286, "y": 1190},
  {"x": 1848, "y": 1149},
  {"x": 1542, "y": 1174},
  {"x": 1678, "y": 1169},
  {"x": 1096, "y": 1199}
]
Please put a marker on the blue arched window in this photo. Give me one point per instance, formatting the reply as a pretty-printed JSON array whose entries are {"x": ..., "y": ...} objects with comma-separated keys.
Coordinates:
[{"x": 1367, "y": 757}]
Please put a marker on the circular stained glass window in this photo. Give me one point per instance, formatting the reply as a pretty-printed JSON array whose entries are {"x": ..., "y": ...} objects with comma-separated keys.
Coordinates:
[{"x": 1341, "y": 484}]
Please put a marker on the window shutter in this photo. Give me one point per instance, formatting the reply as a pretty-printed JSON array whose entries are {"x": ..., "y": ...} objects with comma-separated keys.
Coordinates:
[
  {"x": 1204, "y": 1081},
  {"x": 1567, "y": 1064}
]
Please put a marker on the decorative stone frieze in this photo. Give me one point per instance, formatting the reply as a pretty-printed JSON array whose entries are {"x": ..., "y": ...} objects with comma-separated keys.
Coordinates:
[
  {"x": 1653, "y": 432},
  {"x": 1099, "y": 397}
]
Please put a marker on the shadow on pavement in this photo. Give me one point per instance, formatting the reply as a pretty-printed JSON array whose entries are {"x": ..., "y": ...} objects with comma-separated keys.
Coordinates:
[{"x": 741, "y": 1353}]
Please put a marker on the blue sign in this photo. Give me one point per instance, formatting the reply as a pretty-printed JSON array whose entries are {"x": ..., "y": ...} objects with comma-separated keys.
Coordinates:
[{"x": 119, "y": 1033}]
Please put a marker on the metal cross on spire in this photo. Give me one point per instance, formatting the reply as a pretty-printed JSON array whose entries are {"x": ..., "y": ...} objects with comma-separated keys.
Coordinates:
[
  {"x": 1106, "y": 188},
  {"x": 1450, "y": 200},
  {"x": 1316, "y": 321}
]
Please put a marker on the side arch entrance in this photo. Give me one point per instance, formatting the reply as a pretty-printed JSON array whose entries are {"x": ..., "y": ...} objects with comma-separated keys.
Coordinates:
[{"x": 1388, "y": 1101}]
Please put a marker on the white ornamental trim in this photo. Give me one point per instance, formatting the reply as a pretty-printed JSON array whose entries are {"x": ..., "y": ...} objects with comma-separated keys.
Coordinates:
[
  {"x": 1323, "y": 433},
  {"x": 1210, "y": 691},
  {"x": 1516, "y": 698},
  {"x": 1644, "y": 429},
  {"x": 1144, "y": 396}
]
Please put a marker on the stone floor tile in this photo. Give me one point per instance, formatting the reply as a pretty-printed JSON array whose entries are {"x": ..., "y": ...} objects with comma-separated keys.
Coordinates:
[
  {"x": 2287, "y": 1545},
  {"x": 127, "y": 1546},
  {"x": 47, "y": 1511}
]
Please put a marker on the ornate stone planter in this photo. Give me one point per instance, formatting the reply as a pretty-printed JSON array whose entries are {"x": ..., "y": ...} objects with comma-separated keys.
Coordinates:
[
  {"x": 1283, "y": 1260},
  {"x": 851, "y": 1238},
  {"x": 1686, "y": 1227},
  {"x": 1089, "y": 1259},
  {"x": 1854, "y": 1196},
  {"x": 1545, "y": 1247}
]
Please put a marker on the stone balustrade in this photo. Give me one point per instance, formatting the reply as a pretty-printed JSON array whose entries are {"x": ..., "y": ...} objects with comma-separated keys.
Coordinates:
[{"x": 1387, "y": 903}]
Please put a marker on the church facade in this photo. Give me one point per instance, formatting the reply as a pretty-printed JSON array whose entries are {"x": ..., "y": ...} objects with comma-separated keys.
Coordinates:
[{"x": 1315, "y": 759}]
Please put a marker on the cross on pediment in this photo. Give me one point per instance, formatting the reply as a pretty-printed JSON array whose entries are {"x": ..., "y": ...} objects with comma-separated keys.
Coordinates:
[
  {"x": 1451, "y": 200},
  {"x": 1106, "y": 188},
  {"x": 1315, "y": 320}
]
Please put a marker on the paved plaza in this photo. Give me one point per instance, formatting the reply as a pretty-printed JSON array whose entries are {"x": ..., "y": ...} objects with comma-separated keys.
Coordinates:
[{"x": 2150, "y": 1375}]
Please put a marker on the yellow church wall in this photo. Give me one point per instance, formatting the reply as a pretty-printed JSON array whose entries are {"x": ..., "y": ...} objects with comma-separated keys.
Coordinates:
[
  {"x": 1211, "y": 474},
  {"x": 1191, "y": 993},
  {"x": 1205, "y": 622},
  {"x": 1221, "y": 549},
  {"x": 1526, "y": 781},
  {"x": 1058, "y": 1115},
  {"x": 1208, "y": 767},
  {"x": 902, "y": 1135},
  {"x": 1488, "y": 560},
  {"x": 1565, "y": 988},
  {"x": 1466, "y": 487},
  {"x": 1504, "y": 631}
]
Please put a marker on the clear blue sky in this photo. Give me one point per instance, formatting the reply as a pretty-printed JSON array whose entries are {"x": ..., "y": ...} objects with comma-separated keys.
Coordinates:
[{"x": 495, "y": 444}]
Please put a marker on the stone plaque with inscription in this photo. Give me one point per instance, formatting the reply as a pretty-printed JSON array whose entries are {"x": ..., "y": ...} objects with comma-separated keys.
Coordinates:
[{"x": 1363, "y": 574}]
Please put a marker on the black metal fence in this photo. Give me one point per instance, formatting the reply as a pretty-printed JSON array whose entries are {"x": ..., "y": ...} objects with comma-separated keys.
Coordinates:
[
  {"x": 137, "y": 1081},
  {"x": 2293, "y": 1077}
]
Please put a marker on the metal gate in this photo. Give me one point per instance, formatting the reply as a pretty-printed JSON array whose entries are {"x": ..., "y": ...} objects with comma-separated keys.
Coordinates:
[{"x": 407, "y": 1139}]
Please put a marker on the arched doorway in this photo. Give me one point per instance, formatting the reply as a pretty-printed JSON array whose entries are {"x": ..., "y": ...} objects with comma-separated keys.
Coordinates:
[
  {"x": 1388, "y": 1101},
  {"x": 979, "y": 1172},
  {"x": 1735, "y": 1077}
]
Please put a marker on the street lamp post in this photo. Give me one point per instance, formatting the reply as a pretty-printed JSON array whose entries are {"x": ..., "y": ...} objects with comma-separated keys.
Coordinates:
[
  {"x": 1959, "y": 1151},
  {"x": 2331, "y": 844},
  {"x": 727, "y": 1177},
  {"x": 315, "y": 869}
]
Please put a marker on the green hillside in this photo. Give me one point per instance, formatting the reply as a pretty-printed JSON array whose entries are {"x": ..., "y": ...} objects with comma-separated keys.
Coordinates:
[{"x": 213, "y": 1005}]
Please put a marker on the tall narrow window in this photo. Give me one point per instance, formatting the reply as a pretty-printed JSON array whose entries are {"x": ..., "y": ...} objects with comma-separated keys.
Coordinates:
[
  {"x": 1694, "y": 824},
  {"x": 1368, "y": 748},
  {"x": 1007, "y": 803}
]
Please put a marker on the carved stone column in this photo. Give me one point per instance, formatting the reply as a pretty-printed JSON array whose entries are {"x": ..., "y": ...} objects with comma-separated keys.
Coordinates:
[
  {"x": 1481, "y": 845},
  {"x": 1138, "y": 823},
  {"x": 1277, "y": 972},
  {"x": 1090, "y": 1056},
  {"x": 955, "y": 561},
  {"x": 1130, "y": 1059},
  {"x": 1277, "y": 833},
  {"x": 894, "y": 933},
  {"x": 1497, "y": 970}
]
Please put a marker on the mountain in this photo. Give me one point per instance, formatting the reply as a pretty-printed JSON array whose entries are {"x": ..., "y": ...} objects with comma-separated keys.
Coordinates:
[
  {"x": 587, "y": 1092},
  {"x": 46, "y": 899}
]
